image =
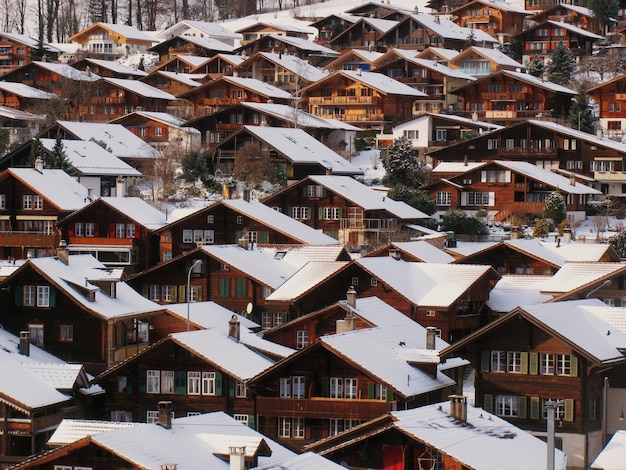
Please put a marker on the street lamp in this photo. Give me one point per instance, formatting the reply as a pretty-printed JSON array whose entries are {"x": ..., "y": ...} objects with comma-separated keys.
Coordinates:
[{"x": 198, "y": 261}]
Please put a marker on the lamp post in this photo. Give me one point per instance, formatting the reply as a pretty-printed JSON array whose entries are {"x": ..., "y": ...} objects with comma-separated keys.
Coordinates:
[{"x": 198, "y": 261}]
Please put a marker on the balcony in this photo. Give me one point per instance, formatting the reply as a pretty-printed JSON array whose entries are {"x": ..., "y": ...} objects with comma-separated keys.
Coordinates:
[
  {"x": 353, "y": 117},
  {"x": 323, "y": 408},
  {"x": 368, "y": 225},
  {"x": 331, "y": 100},
  {"x": 528, "y": 207},
  {"x": 612, "y": 176},
  {"x": 121, "y": 353},
  {"x": 534, "y": 152},
  {"x": 500, "y": 114},
  {"x": 503, "y": 96},
  {"x": 29, "y": 239},
  {"x": 106, "y": 241}
]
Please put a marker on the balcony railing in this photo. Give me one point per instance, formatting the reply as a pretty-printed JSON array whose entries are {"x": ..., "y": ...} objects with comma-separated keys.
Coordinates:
[
  {"x": 121, "y": 353},
  {"x": 532, "y": 207},
  {"x": 29, "y": 239},
  {"x": 610, "y": 176},
  {"x": 101, "y": 241},
  {"x": 354, "y": 117},
  {"x": 498, "y": 114},
  {"x": 323, "y": 408},
  {"x": 343, "y": 100},
  {"x": 368, "y": 225}
]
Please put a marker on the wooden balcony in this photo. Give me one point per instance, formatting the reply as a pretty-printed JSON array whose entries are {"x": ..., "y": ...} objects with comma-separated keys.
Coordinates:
[
  {"x": 101, "y": 241},
  {"x": 227, "y": 126},
  {"x": 121, "y": 353},
  {"x": 332, "y": 100},
  {"x": 528, "y": 207},
  {"x": 522, "y": 152},
  {"x": 498, "y": 114},
  {"x": 612, "y": 176},
  {"x": 368, "y": 225},
  {"x": 503, "y": 96},
  {"x": 354, "y": 117},
  {"x": 28, "y": 239},
  {"x": 323, "y": 408}
]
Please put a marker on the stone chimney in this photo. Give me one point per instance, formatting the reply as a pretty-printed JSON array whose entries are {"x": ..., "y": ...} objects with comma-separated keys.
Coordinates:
[
  {"x": 351, "y": 297},
  {"x": 234, "y": 328},
  {"x": 237, "y": 457},
  {"x": 24, "y": 347},
  {"x": 39, "y": 164},
  {"x": 165, "y": 414},
  {"x": 430, "y": 337},
  {"x": 62, "y": 253},
  {"x": 458, "y": 408},
  {"x": 346, "y": 324}
]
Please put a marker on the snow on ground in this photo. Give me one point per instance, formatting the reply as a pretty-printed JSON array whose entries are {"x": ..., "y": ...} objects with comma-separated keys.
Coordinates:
[{"x": 369, "y": 161}]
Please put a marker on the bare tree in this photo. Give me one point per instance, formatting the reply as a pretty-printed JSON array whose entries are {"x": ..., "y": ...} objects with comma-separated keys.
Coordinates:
[{"x": 252, "y": 167}]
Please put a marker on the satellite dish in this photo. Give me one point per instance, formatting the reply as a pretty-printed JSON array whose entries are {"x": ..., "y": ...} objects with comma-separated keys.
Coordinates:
[{"x": 249, "y": 308}]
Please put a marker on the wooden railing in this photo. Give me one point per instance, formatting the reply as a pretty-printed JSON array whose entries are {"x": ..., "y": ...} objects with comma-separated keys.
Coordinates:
[
  {"x": 368, "y": 225},
  {"x": 29, "y": 239},
  {"x": 101, "y": 241},
  {"x": 324, "y": 408}
]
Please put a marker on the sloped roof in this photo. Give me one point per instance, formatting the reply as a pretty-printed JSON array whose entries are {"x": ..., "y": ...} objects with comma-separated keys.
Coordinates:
[
  {"x": 424, "y": 251},
  {"x": 296, "y": 65},
  {"x": 210, "y": 315},
  {"x": 440, "y": 51},
  {"x": 281, "y": 27},
  {"x": 55, "y": 185},
  {"x": 26, "y": 91},
  {"x": 210, "y": 28},
  {"x": 184, "y": 78},
  {"x": 67, "y": 71},
  {"x": 59, "y": 376},
  {"x": 499, "y": 4},
  {"x": 573, "y": 275},
  {"x": 258, "y": 86},
  {"x": 549, "y": 178},
  {"x": 382, "y": 83},
  {"x": 28, "y": 41},
  {"x": 457, "y": 167},
  {"x": 441, "y": 68},
  {"x": 89, "y": 158},
  {"x": 164, "y": 118},
  {"x": 299, "y": 255},
  {"x": 117, "y": 67},
  {"x": 584, "y": 136},
  {"x": 71, "y": 430},
  {"x": 514, "y": 290},
  {"x": 129, "y": 32},
  {"x": 495, "y": 55},
  {"x": 309, "y": 276},
  {"x": 305, "y": 45},
  {"x": 526, "y": 77},
  {"x": 612, "y": 456},
  {"x": 305, "y": 461},
  {"x": 16, "y": 114},
  {"x": 304, "y": 119},
  {"x": 207, "y": 43},
  {"x": 140, "y": 88},
  {"x": 137, "y": 210},
  {"x": 449, "y": 30}
]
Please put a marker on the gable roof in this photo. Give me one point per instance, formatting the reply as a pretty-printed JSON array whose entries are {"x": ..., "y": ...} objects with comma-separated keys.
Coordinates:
[
  {"x": 66, "y": 71},
  {"x": 612, "y": 456},
  {"x": 134, "y": 208},
  {"x": 306, "y": 278},
  {"x": 497, "y": 4},
  {"x": 26, "y": 91},
  {"x": 523, "y": 77},
  {"x": 257, "y": 86},
  {"x": 422, "y": 250},
  {"x": 116, "y": 67},
  {"x": 494, "y": 55},
  {"x": 293, "y": 63},
  {"x": 446, "y": 54},
  {"x": 207, "y": 43},
  {"x": 378, "y": 81},
  {"x": 210, "y": 28},
  {"x": 305, "y": 45},
  {"x": 447, "y": 29},
  {"x": 188, "y": 79},
  {"x": 559, "y": 24},
  {"x": 440, "y": 68},
  {"x": 460, "y": 166},
  {"x": 28, "y": 41},
  {"x": 280, "y": 27},
  {"x": 140, "y": 88},
  {"x": 128, "y": 32},
  {"x": 514, "y": 290},
  {"x": 577, "y": 276},
  {"x": 17, "y": 115}
]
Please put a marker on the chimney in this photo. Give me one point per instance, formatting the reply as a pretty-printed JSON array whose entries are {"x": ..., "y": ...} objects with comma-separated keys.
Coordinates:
[
  {"x": 458, "y": 408},
  {"x": 358, "y": 71},
  {"x": 234, "y": 328},
  {"x": 62, "y": 253},
  {"x": 88, "y": 71},
  {"x": 415, "y": 10},
  {"x": 572, "y": 180},
  {"x": 346, "y": 324},
  {"x": 165, "y": 414},
  {"x": 24, "y": 347},
  {"x": 119, "y": 187},
  {"x": 567, "y": 235},
  {"x": 246, "y": 195},
  {"x": 430, "y": 337},
  {"x": 39, "y": 164},
  {"x": 351, "y": 297},
  {"x": 237, "y": 457}
]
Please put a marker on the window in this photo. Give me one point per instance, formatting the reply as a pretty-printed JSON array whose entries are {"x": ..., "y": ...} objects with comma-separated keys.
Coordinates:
[
  {"x": 410, "y": 135},
  {"x": 120, "y": 230},
  {"x": 193, "y": 383},
  {"x": 210, "y": 219},
  {"x": 498, "y": 361},
  {"x": 27, "y": 202},
  {"x": 239, "y": 219},
  {"x": 29, "y": 296},
  {"x": 223, "y": 287},
  {"x": 336, "y": 387},
  {"x": 314, "y": 190},
  {"x": 443, "y": 199},
  {"x": 154, "y": 291},
  {"x": 284, "y": 427},
  {"x": 241, "y": 418},
  {"x": 43, "y": 296},
  {"x": 373, "y": 282},
  {"x": 355, "y": 281},
  {"x": 241, "y": 287},
  {"x": 37, "y": 202},
  {"x": 152, "y": 416},
  {"x": 158, "y": 131},
  {"x": 298, "y": 428},
  {"x": 546, "y": 364},
  {"x": 266, "y": 291},
  {"x": 563, "y": 364},
  {"x": 240, "y": 389},
  {"x": 615, "y": 107},
  {"x": 167, "y": 381},
  {"x": 167, "y": 255},
  {"x": 514, "y": 362},
  {"x": 167, "y": 292},
  {"x": 298, "y": 386},
  {"x": 336, "y": 426},
  {"x": 209, "y": 236},
  {"x": 330, "y": 213},
  {"x": 302, "y": 339},
  {"x": 302, "y": 213},
  {"x": 492, "y": 144},
  {"x": 285, "y": 387},
  {"x": 266, "y": 320},
  {"x": 506, "y": 405},
  {"x": 380, "y": 392},
  {"x": 66, "y": 333},
  {"x": 198, "y": 236},
  {"x": 130, "y": 230},
  {"x": 208, "y": 383},
  {"x": 278, "y": 318},
  {"x": 153, "y": 381},
  {"x": 441, "y": 135},
  {"x": 90, "y": 229},
  {"x": 559, "y": 409},
  {"x": 79, "y": 229},
  {"x": 477, "y": 199},
  {"x": 36, "y": 334},
  {"x": 187, "y": 236},
  {"x": 351, "y": 389}
]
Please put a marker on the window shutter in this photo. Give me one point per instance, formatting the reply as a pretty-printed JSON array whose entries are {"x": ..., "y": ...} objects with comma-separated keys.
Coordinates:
[
  {"x": 488, "y": 402},
  {"x": 464, "y": 198},
  {"x": 52, "y": 297},
  {"x": 251, "y": 421},
  {"x": 389, "y": 395},
  {"x": 263, "y": 237},
  {"x": 573, "y": 366},
  {"x": 320, "y": 213},
  {"x": 231, "y": 387},
  {"x": 143, "y": 416},
  {"x": 521, "y": 407},
  {"x": 534, "y": 408},
  {"x": 238, "y": 235},
  {"x": 507, "y": 176},
  {"x": 569, "y": 409},
  {"x": 340, "y": 212},
  {"x": 137, "y": 230},
  {"x": 182, "y": 295},
  {"x": 483, "y": 174},
  {"x": 304, "y": 191},
  {"x": 218, "y": 384},
  {"x": 146, "y": 290},
  {"x": 70, "y": 229},
  {"x": 325, "y": 390},
  {"x": 199, "y": 294},
  {"x": 18, "y": 296},
  {"x": 309, "y": 211},
  {"x": 111, "y": 230},
  {"x": 371, "y": 391},
  {"x": 492, "y": 199},
  {"x": 174, "y": 294},
  {"x": 485, "y": 359},
  {"x": 96, "y": 230},
  {"x": 533, "y": 363},
  {"x": 180, "y": 382},
  {"x": 142, "y": 381},
  {"x": 617, "y": 302},
  {"x": 285, "y": 317},
  {"x": 129, "y": 386},
  {"x": 524, "y": 362}
]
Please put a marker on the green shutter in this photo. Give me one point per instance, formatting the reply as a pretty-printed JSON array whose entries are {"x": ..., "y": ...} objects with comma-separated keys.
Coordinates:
[
  {"x": 521, "y": 407},
  {"x": 238, "y": 235},
  {"x": 251, "y": 421},
  {"x": 309, "y": 213},
  {"x": 569, "y": 409},
  {"x": 285, "y": 316},
  {"x": 371, "y": 391},
  {"x": 52, "y": 299},
  {"x": 218, "y": 384},
  {"x": 389, "y": 395},
  {"x": 129, "y": 385},
  {"x": 534, "y": 408},
  {"x": 533, "y": 363},
  {"x": 199, "y": 294},
  {"x": 305, "y": 191},
  {"x": 18, "y": 296},
  {"x": 180, "y": 382},
  {"x": 263, "y": 237},
  {"x": 143, "y": 416},
  {"x": 573, "y": 366},
  {"x": 182, "y": 294},
  {"x": 485, "y": 360},
  {"x": 143, "y": 377},
  {"x": 320, "y": 213},
  {"x": 174, "y": 294},
  {"x": 488, "y": 403},
  {"x": 617, "y": 302},
  {"x": 146, "y": 291},
  {"x": 325, "y": 390},
  {"x": 340, "y": 212},
  {"x": 123, "y": 331},
  {"x": 524, "y": 362},
  {"x": 231, "y": 387}
]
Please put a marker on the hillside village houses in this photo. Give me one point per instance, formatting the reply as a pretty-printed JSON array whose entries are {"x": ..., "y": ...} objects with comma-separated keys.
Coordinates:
[{"x": 312, "y": 321}]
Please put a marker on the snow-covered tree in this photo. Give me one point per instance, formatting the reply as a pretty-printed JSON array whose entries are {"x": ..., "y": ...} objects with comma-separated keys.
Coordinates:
[
  {"x": 562, "y": 65},
  {"x": 57, "y": 159},
  {"x": 537, "y": 68},
  {"x": 554, "y": 208},
  {"x": 580, "y": 115},
  {"x": 604, "y": 10},
  {"x": 403, "y": 166}
]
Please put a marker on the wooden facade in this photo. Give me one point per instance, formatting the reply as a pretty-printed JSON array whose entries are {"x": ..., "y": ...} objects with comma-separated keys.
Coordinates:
[
  {"x": 610, "y": 97},
  {"x": 258, "y": 30},
  {"x": 17, "y": 50},
  {"x": 330, "y": 27},
  {"x": 496, "y": 20},
  {"x": 107, "y": 41},
  {"x": 575, "y": 16},
  {"x": 183, "y": 45},
  {"x": 363, "y": 34}
]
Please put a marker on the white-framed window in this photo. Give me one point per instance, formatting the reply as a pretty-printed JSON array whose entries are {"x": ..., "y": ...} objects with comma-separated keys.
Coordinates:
[
  {"x": 301, "y": 213},
  {"x": 120, "y": 231},
  {"x": 240, "y": 389},
  {"x": 266, "y": 320},
  {"x": 336, "y": 387},
  {"x": 79, "y": 229},
  {"x": 241, "y": 418},
  {"x": 152, "y": 416},
  {"x": 302, "y": 338},
  {"x": 373, "y": 282},
  {"x": 298, "y": 386},
  {"x": 443, "y": 198},
  {"x": 239, "y": 219},
  {"x": 166, "y": 292},
  {"x": 66, "y": 332},
  {"x": 193, "y": 383},
  {"x": 209, "y": 236},
  {"x": 154, "y": 291},
  {"x": 498, "y": 361},
  {"x": 63, "y": 467},
  {"x": 285, "y": 387},
  {"x": 284, "y": 427},
  {"x": 27, "y": 201},
  {"x": 278, "y": 318},
  {"x": 441, "y": 135},
  {"x": 121, "y": 416},
  {"x": 336, "y": 426},
  {"x": 266, "y": 291},
  {"x": 29, "y": 296},
  {"x": 514, "y": 362},
  {"x": 198, "y": 236},
  {"x": 546, "y": 364},
  {"x": 492, "y": 144},
  {"x": 158, "y": 131},
  {"x": 130, "y": 230},
  {"x": 90, "y": 229},
  {"x": 36, "y": 333},
  {"x": 331, "y": 213},
  {"x": 187, "y": 235},
  {"x": 43, "y": 296},
  {"x": 380, "y": 392},
  {"x": 208, "y": 383},
  {"x": 167, "y": 255},
  {"x": 297, "y": 428},
  {"x": 37, "y": 202},
  {"x": 506, "y": 405},
  {"x": 563, "y": 364},
  {"x": 351, "y": 390},
  {"x": 314, "y": 190},
  {"x": 559, "y": 409},
  {"x": 210, "y": 219},
  {"x": 167, "y": 381},
  {"x": 153, "y": 381},
  {"x": 355, "y": 281}
]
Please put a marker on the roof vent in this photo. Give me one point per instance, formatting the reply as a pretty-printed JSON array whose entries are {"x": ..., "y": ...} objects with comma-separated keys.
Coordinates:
[
  {"x": 165, "y": 414},
  {"x": 351, "y": 297},
  {"x": 24, "y": 347}
]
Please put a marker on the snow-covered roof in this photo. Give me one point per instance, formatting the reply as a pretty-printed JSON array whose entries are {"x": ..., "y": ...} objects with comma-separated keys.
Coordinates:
[
  {"x": 184, "y": 78},
  {"x": 301, "y": 147},
  {"x": 122, "y": 142},
  {"x": 441, "y": 68},
  {"x": 425, "y": 284},
  {"x": 208, "y": 43},
  {"x": 16, "y": 114},
  {"x": 574, "y": 29},
  {"x": 514, "y": 290},
  {"x": 440, "y": 51},
  {"x": 383, "y": 83},
  {"x": 299, "y": 255},
  {"x": 495, "y": 55},
  {"x": 129, "y": 32},
  {"x": 306, "y": 461},
  {"x": 367, "y": 198},
  {"x": 258, "y": 86},
  {"x": 453, "y": 118},
  {"x": 378, "y": 23},
  {"x": 279, "y": 222},
  {"x": 577, "y": 8},
  {"x": 288, "y": 27},
  {"x": 449, "y": 30},
  {"x": 526, "y": 77},
  {"x": 424, "y": 251},
  {"x": 304, "y": 119},
  {"x": 310, "y": 275},
  {"x": 117, "y": 67},
  {"x": 484, "y": 441},
  {"x": 584, "y": 136},
  {"x": 367, "y": 56},
  {"x": 612, "y": 457},
  {"x": 80, "y": 270},
  {"x": 59, "y": 376},
  {"x": 26, "y": 91},
  {"x": 165, "y": 118},
  {"x": 55, "y": 185},
  {"x": 140, "y": 88},
  {"x": 558, "y": 254},
  {"x": 573, "y": 275},
  {"x": 28, "y": 41},
  {"x": 305, "y": 45},
  {"x": 193, "y": 60},
  {"x": 210, "y": 28},
  {"x": 456, "y": 167},
  {"x": 67, "y": 71},
  {"x": 500, "y": 5},
  {"x": 89, "y": 158},
  {"x": 296, "y": 65},
  {"x": 137, "y": 210},
  {"x": 71, "y": 430}
]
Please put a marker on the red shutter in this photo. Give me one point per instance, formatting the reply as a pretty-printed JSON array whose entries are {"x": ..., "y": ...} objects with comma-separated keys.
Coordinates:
[
  {"x": 111, "y": 230},
  {"x": 137, "y": 231},
  {"x": 70, "y": 230}
]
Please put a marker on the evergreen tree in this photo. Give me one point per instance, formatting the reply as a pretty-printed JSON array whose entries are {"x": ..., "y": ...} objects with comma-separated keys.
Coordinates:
[
  {"x": 562, "y": 65},
  {"x": 618, "y": 242},
  {"x": 37, "y": 53},
  {"x": 513, "y": 49},
  {"x": 537, "y": 68},
  {"x": 580, "y": 115},
  {"x": 554, "y": 208},
  {"x": 459, "y": 222},
  {"x": 36, "y": 150},
  {"x": 57, "y": 159},
  {"x": 403, "y": 166},
  {"x": 604, "y": 10},
  {"x": 417, "y": 198}
]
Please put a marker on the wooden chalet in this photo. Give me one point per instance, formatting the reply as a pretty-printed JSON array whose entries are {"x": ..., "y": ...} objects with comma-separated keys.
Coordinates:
[
  {"x": 182, "y": 64},
  {"x": 539, "y": 40},
  {"x": 549, "y": 352},
  {"x": 258, "y": 30},
  {"x": 108, "y": 69},
  {"x": 18, "y": 49},
  {"x": 220, "y": 65},
  {"x": 329, "y": 27},
  {"x": 32, "y": 200},
  {"x": 199, "y": 29},
  {"x": 112, "y": 41},
  {"x": 345, "y": 209},
  {"x": 545, "y": 4},
  {"x": 429, "y": 250},
  {"x": 26, "y": 98},
  {"x": 364, "y": 99},
  {"x": 354, "y": 59},
  {"x": 611, "y": 99},
  {"x": 550, "y": 146},
  {"x": 488, "y": 186},
  {"x": 483, "y": 61},
  {"x": 21, "y": 126},
  {"x": 116, "y": 231},
  {"x": 80, "y": 310},
  {"x": 574, "y": 14},
  {"x": 497, "y": 18},
  {"x": 378, "y": 10},
  {"x": 366, "y": 33},
  {"x": 188, "y": 45},
  {"x": 227, "y": 91},
  {"x": 316, "y": 54},
  {"x": 335, "y": 383},
  {"x": 508, "y": 97}
]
